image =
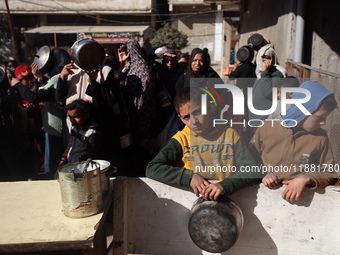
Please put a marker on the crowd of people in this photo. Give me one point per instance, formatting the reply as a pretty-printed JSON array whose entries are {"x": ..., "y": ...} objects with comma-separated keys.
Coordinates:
[
  {"x": 64, "y": 114},
  {"x": 285, "y": 150},
  {"x": 146, "y": 118}
]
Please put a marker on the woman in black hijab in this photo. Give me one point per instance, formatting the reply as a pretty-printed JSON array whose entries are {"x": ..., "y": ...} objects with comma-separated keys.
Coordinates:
[
  {"x": 201, "y": 74},
  {"x": 199, "y": 66}
]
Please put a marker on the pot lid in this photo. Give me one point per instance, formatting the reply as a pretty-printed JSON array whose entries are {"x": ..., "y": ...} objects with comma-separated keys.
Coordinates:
[
  {"x": 79, "y": 167},
  {"x": 42, "y": 56}
]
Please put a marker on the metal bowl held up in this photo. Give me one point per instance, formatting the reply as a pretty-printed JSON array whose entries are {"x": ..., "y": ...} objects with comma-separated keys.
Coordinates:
[
  {"x": 41, "y": 58},
  {"x": 256, "y": 41},
  {"x": 245, "y": 54},
  {"x": 214, "y": 226},
  {"x": 88, "y": 54}
]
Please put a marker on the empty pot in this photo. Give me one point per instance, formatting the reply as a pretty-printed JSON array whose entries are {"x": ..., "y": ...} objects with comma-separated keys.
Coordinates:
[
  {"x": 214, "y": 226},
  {"x": 105, "y": 171},
  {"x": 80, "y": 186},
  {"x": 256, "y": 41},
  {"x": 88, "y": 54},
  {"x": 245, "y": 54}
]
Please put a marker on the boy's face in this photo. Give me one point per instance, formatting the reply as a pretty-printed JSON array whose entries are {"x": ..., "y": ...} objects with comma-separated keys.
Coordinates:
[
  {"x": 192, "y": 117},
  {"x": 27, "y": 81},
  {"x": 315, "y": 121},
  {"x": 77, "y": 119}
]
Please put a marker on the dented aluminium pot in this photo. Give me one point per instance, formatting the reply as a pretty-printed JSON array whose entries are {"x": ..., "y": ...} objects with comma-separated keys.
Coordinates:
[
  {"x": 88, "y": 54},
  {"x": 214, "y": 226},
  {"x": 105, "y": 171},
  {"x": 80, "y": 186},
  {"x": 245, "y": 54}
]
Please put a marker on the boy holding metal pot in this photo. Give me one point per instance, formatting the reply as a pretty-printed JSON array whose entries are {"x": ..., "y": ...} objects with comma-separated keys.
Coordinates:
[{"x": 201, "y": 152}]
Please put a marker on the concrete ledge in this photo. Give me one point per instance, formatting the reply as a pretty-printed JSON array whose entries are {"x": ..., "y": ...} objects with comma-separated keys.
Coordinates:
[{"x": 152, "y": 218}]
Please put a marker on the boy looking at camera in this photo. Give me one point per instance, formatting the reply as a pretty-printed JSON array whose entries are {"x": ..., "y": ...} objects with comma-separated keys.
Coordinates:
[{"x": 200, "y": 146}]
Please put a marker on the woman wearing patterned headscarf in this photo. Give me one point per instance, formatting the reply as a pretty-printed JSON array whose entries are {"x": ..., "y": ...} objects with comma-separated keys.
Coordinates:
[{"x": 139, "y": 92}]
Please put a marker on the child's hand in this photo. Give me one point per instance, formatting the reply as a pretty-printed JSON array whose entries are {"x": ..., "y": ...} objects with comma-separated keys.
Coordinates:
[
  {"x": 61, "y": 163},
  {"x": 67, "y": 70},
  {"x": 295, "y": 188},
  {"x": 197, "y": 183},
  {"x": 271, "y": 181},
  {"x": 212, "y": 191},
  {"x": 37, "y": 74}
]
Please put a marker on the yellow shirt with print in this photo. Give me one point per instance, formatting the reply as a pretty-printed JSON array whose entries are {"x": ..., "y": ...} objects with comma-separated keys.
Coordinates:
[{"x": 211, "y": 156}]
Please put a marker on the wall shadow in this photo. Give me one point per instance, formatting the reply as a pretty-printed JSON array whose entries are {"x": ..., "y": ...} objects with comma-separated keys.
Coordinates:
[
  {"x": 157, "y": 225},
  {"x": 254, "y": 239}
]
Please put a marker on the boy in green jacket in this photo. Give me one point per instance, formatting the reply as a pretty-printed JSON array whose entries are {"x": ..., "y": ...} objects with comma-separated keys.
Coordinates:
[{"x": 202, "y": 152}]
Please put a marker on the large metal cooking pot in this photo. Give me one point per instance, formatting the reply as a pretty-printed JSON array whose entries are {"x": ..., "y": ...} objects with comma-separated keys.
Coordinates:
[
  {"x": 245, "y": 54},
  {"x": 214, "y": 226},
  {"x": 80, "y": 186},
  {"x": 88, "y": 54},
  {"x": 105, "y": 171},
  {"x": 41, "y": 58}
]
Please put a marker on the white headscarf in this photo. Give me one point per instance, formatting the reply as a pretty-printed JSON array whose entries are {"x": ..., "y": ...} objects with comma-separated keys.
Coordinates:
[{"x": 268, "y": 50}]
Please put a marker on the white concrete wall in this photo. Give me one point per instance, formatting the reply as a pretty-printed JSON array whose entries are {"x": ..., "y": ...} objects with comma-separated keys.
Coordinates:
[
  {"x": 77, "y": 6},
  {"x": 200, "y": 30},
  {"x": 152, "y": 218},
  {"x": 281, "y": 36}
]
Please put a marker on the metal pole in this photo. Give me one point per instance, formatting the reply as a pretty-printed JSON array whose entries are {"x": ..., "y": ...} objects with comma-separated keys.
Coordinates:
[
  {"x": 55, "y": 40},
  {"x": 299, "y": 31},
  {"x": 12, "y": 33}
]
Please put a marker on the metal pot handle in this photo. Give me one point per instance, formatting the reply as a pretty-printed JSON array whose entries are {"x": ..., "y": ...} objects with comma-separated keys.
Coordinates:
[
  {"x": 87, "y": 163},
  {"x": 112, "y": 169}
]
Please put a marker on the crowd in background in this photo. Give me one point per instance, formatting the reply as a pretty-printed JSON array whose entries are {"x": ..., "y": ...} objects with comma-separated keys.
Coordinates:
[
  {"x": 122, "y": 112},
  {"x": 127, "y": 115}
]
